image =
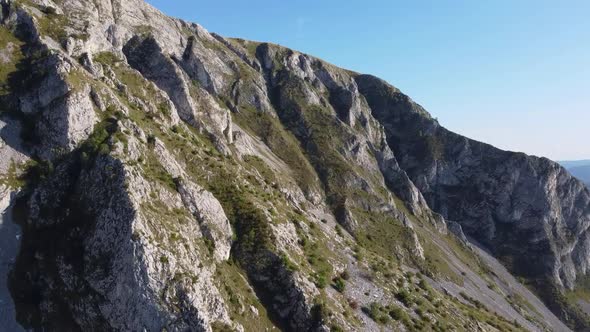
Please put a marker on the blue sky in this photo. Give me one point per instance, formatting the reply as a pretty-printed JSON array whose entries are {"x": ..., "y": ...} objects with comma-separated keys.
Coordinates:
[{"x": 515, "y": 74}]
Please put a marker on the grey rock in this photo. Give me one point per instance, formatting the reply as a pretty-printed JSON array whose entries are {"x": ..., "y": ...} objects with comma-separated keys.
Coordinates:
[
  {"x": 208, "y": 211},
  {"x": 66, "y": 123},
  {"x": 515, "y": 204},
  {"x": 147, "y": 57},
  {"x": 190, "y": 206},
  {"x": 90, "y": 66}
]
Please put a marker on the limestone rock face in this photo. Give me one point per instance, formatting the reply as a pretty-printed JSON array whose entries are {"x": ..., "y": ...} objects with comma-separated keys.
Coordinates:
[
  {"x": 147, "y": 57},
  {"x": 51, "y": 87},
  {"x": 209, "y": 212},
  {"x": 120, "y": 276},
  {"x": 167, "y": 178},
  {"x": 68, "y": 124},
  {"x": 515, "y": 204}
]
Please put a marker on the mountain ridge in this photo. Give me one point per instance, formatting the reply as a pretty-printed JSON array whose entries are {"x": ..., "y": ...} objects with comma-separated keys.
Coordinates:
[{"x": 214, "y": 182}]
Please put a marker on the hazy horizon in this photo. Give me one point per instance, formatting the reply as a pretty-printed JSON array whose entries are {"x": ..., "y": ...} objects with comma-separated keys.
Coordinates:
[{"x": 517, "y": 79}]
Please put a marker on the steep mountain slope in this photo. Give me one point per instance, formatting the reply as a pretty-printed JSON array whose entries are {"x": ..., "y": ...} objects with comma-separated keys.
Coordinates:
[
  {"x": 166, "y": 178},
  {"x": 516, "y": 205}
]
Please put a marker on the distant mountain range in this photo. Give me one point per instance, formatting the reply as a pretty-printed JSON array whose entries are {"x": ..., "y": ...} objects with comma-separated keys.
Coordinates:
[{"x": 579, "y": 169}]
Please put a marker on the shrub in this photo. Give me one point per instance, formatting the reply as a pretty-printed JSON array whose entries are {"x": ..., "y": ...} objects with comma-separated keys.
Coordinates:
[
  {"x": 49, "y": 10},
  {"x": 376, "y": 312},
  {"x": 345, "y": 275},
  {"x": 339, "y": 284},
  {"x": 424, "y": 285},
  {"x": 419, "y": 312},
  {"x": 336, "y": 328},
  {"x": 177, "y": 182},
  {"x": 353, "y": 304},
  {"x": 151, "y": 140},
  {"x": 221, "y": 327},
  {"x": 397, "y": 314},
  {"x": 404, "y": 297},
  {"x": 338, "y": 230},
  {"x": 288, "y": 264},
  {"x": 319, "y": 313},
  {"x": 38, "y": 171},
  {"x": 320, "y": 280}
]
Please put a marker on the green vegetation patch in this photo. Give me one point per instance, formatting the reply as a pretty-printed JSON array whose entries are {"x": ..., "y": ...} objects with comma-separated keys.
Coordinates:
[
  {"x": 282, "y": 143},
  {"x": 240, "y": 297},
  {"x": 383, "y": 235},
  {"x": 10, "y": 57},
  {"x": 318, "y": 255},
  {"x": 107, "y": 58},
  {"x": 250, "y": 224},
  {"x": 436, "y": 264},
  {"x": 249, "y": 46},
  {"x": 54, "y": 25},
  {"x": 262, "y": 168},
  {"x": 324, "y": 138}
]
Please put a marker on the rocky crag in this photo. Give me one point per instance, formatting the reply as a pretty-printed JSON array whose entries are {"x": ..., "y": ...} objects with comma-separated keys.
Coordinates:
[{"x": 168, "y": 178}]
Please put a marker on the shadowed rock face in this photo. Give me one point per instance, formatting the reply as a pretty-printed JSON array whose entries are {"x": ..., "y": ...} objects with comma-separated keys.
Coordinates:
[
  {"x": 174, "y": 179},
  {"x": 517, "y": 205},
  {"x": 69, "y": 246},
  {"x": 10, "y": 235}
]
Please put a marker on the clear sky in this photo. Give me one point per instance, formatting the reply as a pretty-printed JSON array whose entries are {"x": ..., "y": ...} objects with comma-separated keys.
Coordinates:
[{"x": 513, "y": 73}]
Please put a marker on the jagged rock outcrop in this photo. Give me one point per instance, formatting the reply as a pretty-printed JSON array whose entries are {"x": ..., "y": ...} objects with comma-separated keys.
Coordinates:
[
  {"x": 147, "y": 57},
  {"x": 173, "y": 179},
  {"x": 84, "y": 235},
  {"x": 209, "y": 212},
  {"x": 515, "y": 204}
]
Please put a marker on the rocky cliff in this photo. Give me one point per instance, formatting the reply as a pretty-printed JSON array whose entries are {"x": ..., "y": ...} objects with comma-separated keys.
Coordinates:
[{"x": 167, "y": 178}]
